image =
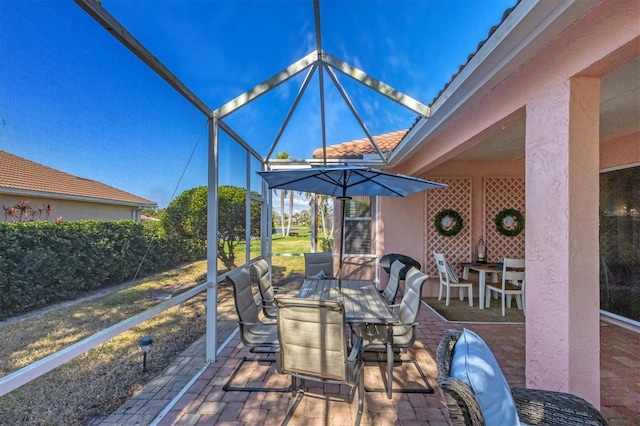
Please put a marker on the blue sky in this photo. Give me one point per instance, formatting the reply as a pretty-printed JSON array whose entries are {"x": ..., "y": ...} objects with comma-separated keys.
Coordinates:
[{"x": 73, "y": 98}]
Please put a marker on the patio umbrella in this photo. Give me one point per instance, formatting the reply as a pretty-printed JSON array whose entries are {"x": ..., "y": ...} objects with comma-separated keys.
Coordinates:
[{"x": 344, "y": 182}]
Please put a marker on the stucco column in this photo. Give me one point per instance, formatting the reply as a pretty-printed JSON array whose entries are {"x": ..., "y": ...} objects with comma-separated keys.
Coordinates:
[{"x": 562, "y": 196}]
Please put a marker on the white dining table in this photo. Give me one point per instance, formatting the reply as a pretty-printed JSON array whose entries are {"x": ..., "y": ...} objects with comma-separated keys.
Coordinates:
[
  {"x": 482, "y": 269},
  {"x": 363, "y": 304}
]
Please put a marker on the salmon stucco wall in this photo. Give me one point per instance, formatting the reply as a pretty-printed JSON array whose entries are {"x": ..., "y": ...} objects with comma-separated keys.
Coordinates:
[
  {"x": 401, "y": 229},
  {"x": 620, "y": 151}
]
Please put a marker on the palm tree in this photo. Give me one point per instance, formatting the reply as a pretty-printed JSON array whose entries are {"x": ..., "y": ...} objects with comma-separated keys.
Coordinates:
[
  {"x": 322, "y": 210},
  {"x": 283, "y": 194},
  {"x": 291, "y": 196}
]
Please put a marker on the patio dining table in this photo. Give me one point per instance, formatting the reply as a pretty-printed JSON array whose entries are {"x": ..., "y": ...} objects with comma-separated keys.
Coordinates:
[
  {"x": 482, "y": 269},
  {"x": 362, "y": 305}
]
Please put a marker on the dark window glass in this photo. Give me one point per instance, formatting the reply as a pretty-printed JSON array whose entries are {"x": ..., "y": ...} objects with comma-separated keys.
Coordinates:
[
  {"x": 358, "y": 224},
  {"x": 620, "y": 242}
]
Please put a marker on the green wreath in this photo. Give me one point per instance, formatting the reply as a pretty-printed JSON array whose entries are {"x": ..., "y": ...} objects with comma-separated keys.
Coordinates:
[
  {"x": 448, "y": 222},
  {"x": 509, "y": 222}
]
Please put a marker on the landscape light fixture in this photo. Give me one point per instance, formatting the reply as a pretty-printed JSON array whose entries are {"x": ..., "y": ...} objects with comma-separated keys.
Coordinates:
[{"x": 145, "y": 346}]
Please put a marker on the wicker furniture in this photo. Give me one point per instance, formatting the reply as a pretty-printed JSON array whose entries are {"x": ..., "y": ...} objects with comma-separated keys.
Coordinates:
[
  {"x": 534, "y": 406},
  {"x": 313, "y": 346}
]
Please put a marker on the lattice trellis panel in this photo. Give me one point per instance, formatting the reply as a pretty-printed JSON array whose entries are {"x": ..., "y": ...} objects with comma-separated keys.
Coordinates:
[
  {"x": 502, "y": 193},
  {"x": 456, "y": 196}
]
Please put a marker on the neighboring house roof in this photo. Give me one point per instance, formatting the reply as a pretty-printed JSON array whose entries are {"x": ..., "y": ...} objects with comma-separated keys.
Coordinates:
[
  {"x": 21, "y": 176},
  {"x": 357, "y": 148}
]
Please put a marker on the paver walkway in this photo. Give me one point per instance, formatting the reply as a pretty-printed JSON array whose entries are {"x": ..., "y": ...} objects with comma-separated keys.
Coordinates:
[{"x": 148, "y": 403}]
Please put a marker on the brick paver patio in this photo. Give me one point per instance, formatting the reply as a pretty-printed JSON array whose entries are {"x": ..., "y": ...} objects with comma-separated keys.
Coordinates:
[{"x": 205, "y": 403}]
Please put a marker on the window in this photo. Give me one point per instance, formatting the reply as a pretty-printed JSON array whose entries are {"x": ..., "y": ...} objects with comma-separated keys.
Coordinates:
[
  {"x": 620, "y": 242},
  {"x": 358, "y": 226}
]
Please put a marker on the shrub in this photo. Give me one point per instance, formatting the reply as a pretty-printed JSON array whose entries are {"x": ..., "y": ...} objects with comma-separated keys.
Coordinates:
[{"x": 45, "y": 262}]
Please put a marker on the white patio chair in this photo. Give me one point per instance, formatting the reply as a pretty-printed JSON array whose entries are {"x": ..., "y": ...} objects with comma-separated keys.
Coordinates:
[
  {"x": 513, "y": 284},
  {"x": 449, "y": 279}
]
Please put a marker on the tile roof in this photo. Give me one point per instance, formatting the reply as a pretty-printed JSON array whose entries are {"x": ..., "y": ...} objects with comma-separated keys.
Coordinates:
[
  {"x": 357, "y": 148},
  {"x": 492, "y": 30},
  {"x": 18, "y": 173},
  {"x": 387, "y": 142}
]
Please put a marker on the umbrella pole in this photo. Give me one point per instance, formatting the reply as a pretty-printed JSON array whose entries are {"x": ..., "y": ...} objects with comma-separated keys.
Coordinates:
[{"x": 340, "y": 262}]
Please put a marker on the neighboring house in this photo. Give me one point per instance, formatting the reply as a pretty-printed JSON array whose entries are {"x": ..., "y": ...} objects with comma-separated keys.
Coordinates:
[{"x": 68, "y": 197}]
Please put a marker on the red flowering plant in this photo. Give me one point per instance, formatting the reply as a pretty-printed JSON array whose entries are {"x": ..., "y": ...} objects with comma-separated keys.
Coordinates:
[{"x": 23, "y": 212}]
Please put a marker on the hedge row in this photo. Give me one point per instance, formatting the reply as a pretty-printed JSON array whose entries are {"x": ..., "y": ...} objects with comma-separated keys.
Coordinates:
[{"x": 45, "y": 262}]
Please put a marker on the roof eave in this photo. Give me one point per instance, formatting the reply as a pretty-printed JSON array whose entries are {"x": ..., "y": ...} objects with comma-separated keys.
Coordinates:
[
  {"x": 530, "y": 26},
  {"x": 67, "y": 197}
]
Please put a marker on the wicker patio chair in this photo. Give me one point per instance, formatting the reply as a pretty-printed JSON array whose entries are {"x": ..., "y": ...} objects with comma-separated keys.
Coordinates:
[
  {"x": 534, "y": 406},
  {"x": 261, "y": 337},
  {"x": 313, "y": 346}
]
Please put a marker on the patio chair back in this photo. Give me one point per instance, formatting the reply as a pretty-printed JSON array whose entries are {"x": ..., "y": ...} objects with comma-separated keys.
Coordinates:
[
  {"x": 261, "y": 268},
  {"x": 391, "y": 290},
  {"x": 411, "y": 301},
  {"x": 253, "y": 332},
  {"x": 513, "y": 283},
  {"x": 315, "y": 263},
  {"x": 246, "y": 307},
  {"x": 313, "y": 346},
  {"x": 312, "y": 339},
  {"x": 404, "y": 335}
]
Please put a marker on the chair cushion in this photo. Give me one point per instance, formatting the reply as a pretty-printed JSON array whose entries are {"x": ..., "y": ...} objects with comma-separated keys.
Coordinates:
[
  {"x": 453, "y": 278},
  {"x": 474, "y": 364},
  {"x": 319, "y": 276}
]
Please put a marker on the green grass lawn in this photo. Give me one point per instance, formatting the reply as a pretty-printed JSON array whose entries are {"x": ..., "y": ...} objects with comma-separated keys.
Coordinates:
[
  {"x": 288, "y": 252},
  {"x": 104, "y": 377},
  {"x": 97, "y": 382}
]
